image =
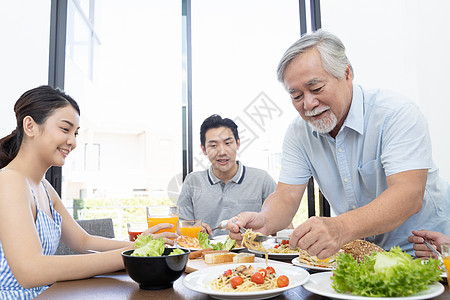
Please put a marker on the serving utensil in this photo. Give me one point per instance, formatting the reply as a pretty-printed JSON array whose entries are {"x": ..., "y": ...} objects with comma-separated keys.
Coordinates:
[
  {"x": 439, "y": 255},
  {"x": 260, "y": 238}
]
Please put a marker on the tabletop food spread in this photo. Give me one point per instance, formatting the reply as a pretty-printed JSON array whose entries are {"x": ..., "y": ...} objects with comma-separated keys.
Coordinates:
[{"x": 221, "y": 277}]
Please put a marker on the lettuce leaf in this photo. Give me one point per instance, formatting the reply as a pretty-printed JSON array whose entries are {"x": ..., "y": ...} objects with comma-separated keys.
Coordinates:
[
  {"x": 204, "y": 241},
  {"x": 176, "y": 251},
  {"x": 147, "y": 246},
  {"x": 385, "y": 274}
]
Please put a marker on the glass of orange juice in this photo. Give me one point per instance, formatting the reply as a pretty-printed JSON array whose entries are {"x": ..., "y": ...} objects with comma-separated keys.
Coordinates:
[
  {"x": 190, "y": 227},
  {"x": 163, "y": 214},
  {"x": 445, "y": 250}
]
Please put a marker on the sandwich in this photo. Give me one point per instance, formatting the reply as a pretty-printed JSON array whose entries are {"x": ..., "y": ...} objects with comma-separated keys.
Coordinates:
[{"x": 360, "y": 248}]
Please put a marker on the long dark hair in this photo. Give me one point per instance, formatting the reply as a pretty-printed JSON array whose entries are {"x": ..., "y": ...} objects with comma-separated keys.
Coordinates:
[{"x": 38, "y": 103}]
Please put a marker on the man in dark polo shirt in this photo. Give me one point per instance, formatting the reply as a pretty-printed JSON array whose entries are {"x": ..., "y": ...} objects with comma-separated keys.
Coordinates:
[{"x": 227, "y": 187}]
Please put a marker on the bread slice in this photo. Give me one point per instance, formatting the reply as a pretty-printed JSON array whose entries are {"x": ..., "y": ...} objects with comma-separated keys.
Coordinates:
[
  {"x": 216, "y": 258},
  {"x": 210, "y": 251},
  {"x": 244, "y": 258}
]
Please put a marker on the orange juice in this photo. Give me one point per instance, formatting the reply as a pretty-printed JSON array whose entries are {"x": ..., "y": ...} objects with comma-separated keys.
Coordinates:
[
  {"x": 156, "y": 220},
  {"x": 190, "y": 231},
  {"x": 447, "y": 265}
]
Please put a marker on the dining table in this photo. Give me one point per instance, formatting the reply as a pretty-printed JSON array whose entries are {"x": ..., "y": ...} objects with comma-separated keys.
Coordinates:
[{"x": 119, "y": 285}]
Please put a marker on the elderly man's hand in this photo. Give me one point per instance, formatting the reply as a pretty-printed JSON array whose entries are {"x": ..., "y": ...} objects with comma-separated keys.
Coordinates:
[
  {"x": 320, "y": 236},
  {"x": 247, "y": 220}
]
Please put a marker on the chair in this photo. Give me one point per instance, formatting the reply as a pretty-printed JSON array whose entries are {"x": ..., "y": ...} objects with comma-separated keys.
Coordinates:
[{"x": 100, "y": 227}]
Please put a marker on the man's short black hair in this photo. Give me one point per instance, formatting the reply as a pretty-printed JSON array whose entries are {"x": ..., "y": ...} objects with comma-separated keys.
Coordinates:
[{"x": 216, "y": 121}]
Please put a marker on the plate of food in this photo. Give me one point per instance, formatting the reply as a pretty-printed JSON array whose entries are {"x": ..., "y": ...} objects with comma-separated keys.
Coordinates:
[
  {"x": 312, "y": 266},
  {"x": 320, "y": 283},
  {"x": 203, "y": 242},
  {"x": 275, "y": 250},
  {"x": 217, "y": 281}
]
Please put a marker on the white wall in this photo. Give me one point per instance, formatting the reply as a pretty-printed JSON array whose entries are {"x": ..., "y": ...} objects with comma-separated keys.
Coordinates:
[{"x": 401, "y": 45}]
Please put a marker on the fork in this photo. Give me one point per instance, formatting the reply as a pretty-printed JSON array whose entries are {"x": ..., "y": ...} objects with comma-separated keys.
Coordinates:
[
  {"x": 260, "y": 238},
  {"x": 439, "y": 255},
  {"x": 222, "y": 225}
]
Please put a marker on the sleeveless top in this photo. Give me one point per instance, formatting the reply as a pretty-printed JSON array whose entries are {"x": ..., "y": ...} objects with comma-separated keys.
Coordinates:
[{"x": 49, "y": 231}]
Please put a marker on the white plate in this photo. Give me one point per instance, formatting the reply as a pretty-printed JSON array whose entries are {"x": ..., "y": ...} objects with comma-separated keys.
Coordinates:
[
  {"x": 270, "y": 244},
  {"x": 296, "y": 262},
  {"x": 199, "y": 280},
  {"x": 320, "y": 283},
  {"x": 213, "y": 241},
  {"x": 283, "y": 256}
]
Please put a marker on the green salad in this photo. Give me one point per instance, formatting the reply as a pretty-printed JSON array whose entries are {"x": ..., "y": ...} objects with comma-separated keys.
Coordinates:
[
  {"x": 205, "y": 243},
  {"x": 385, "y": 274},
  {"x": 148, "y": 246}
]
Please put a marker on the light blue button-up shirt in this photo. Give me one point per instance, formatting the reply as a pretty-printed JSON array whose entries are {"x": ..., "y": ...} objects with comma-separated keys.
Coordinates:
[{"x": 383, "y": 134}]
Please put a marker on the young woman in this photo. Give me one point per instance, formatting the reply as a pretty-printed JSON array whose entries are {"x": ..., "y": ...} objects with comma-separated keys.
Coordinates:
[{"x": 32, "y": 217}]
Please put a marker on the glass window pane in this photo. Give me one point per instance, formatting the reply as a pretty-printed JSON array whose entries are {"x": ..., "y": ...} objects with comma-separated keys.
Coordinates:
[
  {"x": 402, "y": 46},
  {"x": 23, "y": 55},
  {"x": 129, "y": 147},
  {"x": 236, "y": 48}
]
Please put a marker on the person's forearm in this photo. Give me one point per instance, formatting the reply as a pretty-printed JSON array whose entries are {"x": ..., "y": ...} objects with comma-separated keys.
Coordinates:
[
  {"x": 278, "y": 210},
  {"x": 101, "y": 244},
  {"x": 47, "y": 269}
]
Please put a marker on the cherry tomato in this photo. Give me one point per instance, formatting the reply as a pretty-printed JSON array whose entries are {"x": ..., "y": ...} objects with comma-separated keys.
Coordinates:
[
  {"x": 282, "y": 281},
  {"x": 235, "y": 281},
  {"x": 227, "y": 272},
  {"x": 262, "y": 271},
  {"x": 285, "y": 242},
  {"x": 270, "y": 270},
  {"x": 257, "y": 278}
]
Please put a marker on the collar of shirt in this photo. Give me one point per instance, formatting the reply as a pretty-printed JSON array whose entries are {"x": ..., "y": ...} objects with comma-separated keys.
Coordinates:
[
  {"x": 355, "y": 116},
  {"x": 237, "y": 178}
]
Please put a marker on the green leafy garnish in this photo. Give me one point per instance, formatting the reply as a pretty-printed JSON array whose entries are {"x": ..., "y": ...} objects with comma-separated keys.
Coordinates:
[
  {"x": 385, "y": 274},
  {"x": 148, "y": 246},
  {"x": 205, "y": 243},
  {"x": 176, "y": 251},
  {"x": 203, "y": 240}
]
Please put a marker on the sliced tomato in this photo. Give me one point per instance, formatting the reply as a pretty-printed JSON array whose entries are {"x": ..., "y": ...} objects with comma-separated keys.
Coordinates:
[
  {"x": 227, "y": 272},
  {"x": 257, "y": 278},
  {"x": 284, "y": 242},
  {"x": 235, "y": 281},
  {"x": 262, "y": 271},
  {"x": 276, "y": 246},
  {"x": 270, "y": 270},
  {"x": 282, "y": 281}
]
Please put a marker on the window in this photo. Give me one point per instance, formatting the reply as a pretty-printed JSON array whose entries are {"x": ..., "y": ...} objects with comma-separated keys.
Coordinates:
[
  {"x": 23, "y": 55},
  {"x": 123, "y": 66}
]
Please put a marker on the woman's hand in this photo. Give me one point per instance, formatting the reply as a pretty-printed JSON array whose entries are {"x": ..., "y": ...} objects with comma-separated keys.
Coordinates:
[{"x": 168, "y": 237}]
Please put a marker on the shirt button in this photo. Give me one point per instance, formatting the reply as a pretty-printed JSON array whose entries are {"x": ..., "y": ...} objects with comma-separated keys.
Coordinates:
[
  {"x": 340, "y": 150},
  {"x": 346, "y": 180},
  {"x": 354, "y": 206}
]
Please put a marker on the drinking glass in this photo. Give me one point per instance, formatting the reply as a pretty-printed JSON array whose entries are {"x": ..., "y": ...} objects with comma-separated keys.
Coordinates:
[
  {"x": 135, "y": 229},
  {"x": 190, "y": 227},
  {"x": 445, "y": 250},
  {"x": 163, "y": 214}
]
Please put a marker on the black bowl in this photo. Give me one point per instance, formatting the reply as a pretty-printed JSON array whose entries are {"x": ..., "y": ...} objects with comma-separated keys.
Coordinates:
[{"x": 155, "y": 272}]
